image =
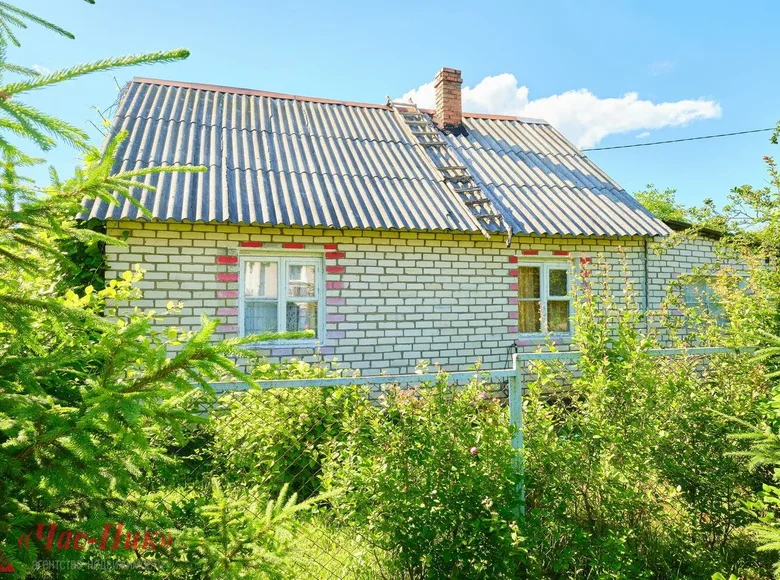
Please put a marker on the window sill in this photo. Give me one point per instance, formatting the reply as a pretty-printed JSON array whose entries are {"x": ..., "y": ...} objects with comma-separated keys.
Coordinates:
[
  {"x": 276, "y": 344},
  {"x": 542, "y": 339}
]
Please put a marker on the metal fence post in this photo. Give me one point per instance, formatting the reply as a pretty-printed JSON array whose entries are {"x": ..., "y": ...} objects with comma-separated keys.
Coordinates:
[{"x": 516, "y": 420}]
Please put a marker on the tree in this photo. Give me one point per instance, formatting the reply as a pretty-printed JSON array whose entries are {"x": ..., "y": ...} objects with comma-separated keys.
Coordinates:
[
  {"x": 89, "y": 404},
  {"x": 751, "y": 216},
  {"x": 662, "y": 204}
]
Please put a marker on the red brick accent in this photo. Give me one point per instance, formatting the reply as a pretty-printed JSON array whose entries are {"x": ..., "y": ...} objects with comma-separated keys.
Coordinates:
[
  {"x": 335, "y": 318},
  {"x": 513, "y": 273},
  {"x": 227, "y": 328},
  {"x": 227, "y": 293},
  {"x": 251, "y": 244},
  {"x": 334, "y": 269},
  {"x": 227, "y": 311},
  {"x": 513, "y": 259},
  {"x": 227, "y": 259},
  {"x": 227, "y": 277},
  {"x": 560, "y": 253},
  {"x": 334, "y": 255},
  {"x": 335, "y": 285},
  {"x": 513, "y": 314},
  {"x": 293, "y": 246},
  {"x": 511, "y": 329},
  {"x": 331, "y": 246},
  {"x": 513, "y": 286},
  {"x": 513, "y": 301},
  {"x": 335, "y": 301},
  {"x": 584, "y": 260},
  {"x": 530, "y": 252}
]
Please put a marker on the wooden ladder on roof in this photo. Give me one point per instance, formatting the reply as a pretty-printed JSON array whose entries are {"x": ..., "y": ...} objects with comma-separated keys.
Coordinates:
[{"x": 452, "y": 171}]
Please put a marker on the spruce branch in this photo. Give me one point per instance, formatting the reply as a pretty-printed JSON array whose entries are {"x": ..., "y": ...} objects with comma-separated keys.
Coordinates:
[
  {"x": 7, "y": 29},
  {"x": 161, "y": 169},
  {"x": 8, "y": 90},
  {"x": 74, "y": 314},
  {"x": 22, "y": 70},
  {"x": 9, "y": 8},
  {"x": 34, "y": 121}
]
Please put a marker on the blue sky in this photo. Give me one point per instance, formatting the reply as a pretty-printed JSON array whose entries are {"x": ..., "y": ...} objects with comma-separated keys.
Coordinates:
[{"x": 696, "y": 67}]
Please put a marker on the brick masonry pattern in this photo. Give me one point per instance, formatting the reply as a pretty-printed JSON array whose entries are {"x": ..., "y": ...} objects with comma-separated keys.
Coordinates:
[{"x": 392, "y": 298}]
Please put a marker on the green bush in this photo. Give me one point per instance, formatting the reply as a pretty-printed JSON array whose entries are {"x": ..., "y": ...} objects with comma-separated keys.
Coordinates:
[
  {"x": 630, "y": 471},
  {"x": 429, "y": 479},
  {"x": 278, "y": 437}
]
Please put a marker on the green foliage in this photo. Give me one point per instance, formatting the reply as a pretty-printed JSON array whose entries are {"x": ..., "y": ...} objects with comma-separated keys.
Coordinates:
[
  {"x": 281, "y": 437},
  {"x": 85, "y": 263},
  {"x": 764, "y": 457},
  {"x": 330, "y": 550},
  {"x": 241, "y": 535},
  {"x": 662, "y": 204},
  {"x": 735, "y": 303},
  {"x": 751, "y": 215},
  {"x": 429, "y": 479},
  {"x": 630, "y": 472},
  {"x": 91, "y": 406}
]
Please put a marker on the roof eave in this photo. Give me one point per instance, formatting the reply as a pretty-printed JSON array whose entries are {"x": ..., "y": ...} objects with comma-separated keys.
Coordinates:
[{"x": 680, "y": 226}]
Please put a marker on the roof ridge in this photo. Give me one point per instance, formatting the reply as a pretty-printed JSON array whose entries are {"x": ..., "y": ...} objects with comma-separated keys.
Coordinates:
[
  {"x": 271, "y": 94},
  {"x": 254, "y": 92}
]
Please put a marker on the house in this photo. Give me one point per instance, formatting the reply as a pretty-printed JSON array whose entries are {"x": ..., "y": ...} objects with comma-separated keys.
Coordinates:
[{"x": 395, "y": 234}]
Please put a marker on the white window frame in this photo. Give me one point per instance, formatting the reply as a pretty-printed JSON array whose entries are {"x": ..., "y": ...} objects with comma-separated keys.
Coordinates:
[
  {"x": 544, "y": 295},
  {"x": 283, "y": 260},
  {"x": 701, "y": 292}
]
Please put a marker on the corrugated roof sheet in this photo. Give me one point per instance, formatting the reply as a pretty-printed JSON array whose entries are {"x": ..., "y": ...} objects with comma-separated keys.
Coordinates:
[{"x": 285, "y": 160}]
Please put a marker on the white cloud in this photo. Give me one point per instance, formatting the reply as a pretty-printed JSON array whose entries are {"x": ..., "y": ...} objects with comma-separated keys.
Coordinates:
[
  {"x": 41, "y": 70},
  {"x": 643, "y": 135},
  {"x": 579, "y": 114}
]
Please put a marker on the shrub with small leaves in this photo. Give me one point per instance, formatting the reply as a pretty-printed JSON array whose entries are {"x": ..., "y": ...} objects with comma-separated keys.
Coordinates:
[
  {"x": 430, "y": 480},
  {"x": 278, "y": 437}
]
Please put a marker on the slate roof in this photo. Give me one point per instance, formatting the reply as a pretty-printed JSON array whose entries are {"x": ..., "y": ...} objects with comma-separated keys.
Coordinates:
[{"x": 287, "y": 160}]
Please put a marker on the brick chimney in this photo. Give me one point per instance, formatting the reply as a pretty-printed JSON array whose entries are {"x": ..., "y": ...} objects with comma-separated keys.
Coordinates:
[{"x": 448, "y": 107}]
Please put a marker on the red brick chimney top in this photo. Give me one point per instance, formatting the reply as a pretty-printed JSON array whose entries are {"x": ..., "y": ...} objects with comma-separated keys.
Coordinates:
[{"x": 448, "y": 104}]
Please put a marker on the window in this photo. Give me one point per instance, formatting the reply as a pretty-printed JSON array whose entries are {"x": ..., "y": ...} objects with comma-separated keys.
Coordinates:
[
  {"x": 543, "y": 298},
  {"x": 281, "y": 294},
  {"x": 698, "y": 293}
]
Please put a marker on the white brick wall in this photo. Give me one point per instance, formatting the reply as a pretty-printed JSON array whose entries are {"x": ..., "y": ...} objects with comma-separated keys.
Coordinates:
[
  {"x": 393, "y": 298},
  {"x": 673, "y": 262}
]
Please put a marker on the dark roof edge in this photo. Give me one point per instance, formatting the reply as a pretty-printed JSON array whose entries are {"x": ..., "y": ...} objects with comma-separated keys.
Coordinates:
[
  {"x": 258, "y": 93},
  {"x": 680, "y": 226}
]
